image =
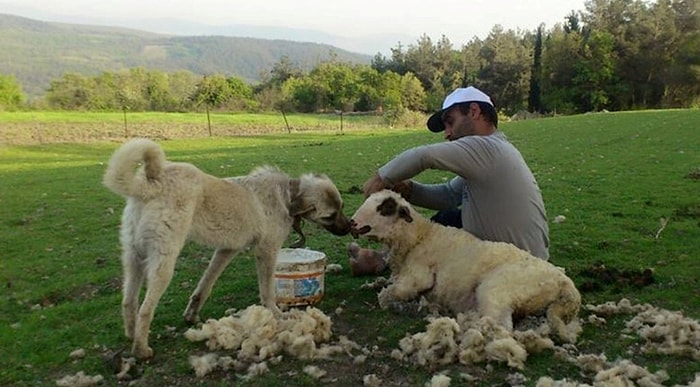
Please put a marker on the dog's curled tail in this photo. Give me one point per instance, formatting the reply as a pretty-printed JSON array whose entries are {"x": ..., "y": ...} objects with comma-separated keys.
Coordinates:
[{"x": 123, "y": 175}]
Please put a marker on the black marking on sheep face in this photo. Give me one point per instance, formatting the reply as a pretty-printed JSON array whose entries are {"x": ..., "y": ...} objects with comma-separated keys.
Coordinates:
[
  {"x": 389, "y": 207},
  {"x": 356, "y": 232}
]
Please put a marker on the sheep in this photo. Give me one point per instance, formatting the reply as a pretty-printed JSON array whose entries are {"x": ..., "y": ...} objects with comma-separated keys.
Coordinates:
[{"x": 455, "y": 269}]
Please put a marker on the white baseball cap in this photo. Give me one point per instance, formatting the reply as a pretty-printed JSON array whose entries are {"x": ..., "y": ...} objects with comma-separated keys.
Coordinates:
[{"x": 464, "y": 94}]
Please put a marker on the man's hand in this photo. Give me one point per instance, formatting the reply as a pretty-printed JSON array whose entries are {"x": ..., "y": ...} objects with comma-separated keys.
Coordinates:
[
  {"x": 372, "y": 185},
  {"x": 403, "y": 188}
]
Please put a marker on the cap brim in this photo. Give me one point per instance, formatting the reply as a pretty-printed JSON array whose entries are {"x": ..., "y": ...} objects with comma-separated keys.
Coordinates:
[{"x": 435, "y": 123}]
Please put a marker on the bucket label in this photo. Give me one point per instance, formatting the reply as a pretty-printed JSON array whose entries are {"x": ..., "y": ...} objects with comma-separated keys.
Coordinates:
[{"x": 299, "y": 288}]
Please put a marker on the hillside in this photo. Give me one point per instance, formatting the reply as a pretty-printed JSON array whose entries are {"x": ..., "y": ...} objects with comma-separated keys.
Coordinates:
[{"x": 36, "y": 52}]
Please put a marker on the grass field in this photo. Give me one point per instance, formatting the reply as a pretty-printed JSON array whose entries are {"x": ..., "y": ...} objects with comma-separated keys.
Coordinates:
[{"x": 628, "y": 185}]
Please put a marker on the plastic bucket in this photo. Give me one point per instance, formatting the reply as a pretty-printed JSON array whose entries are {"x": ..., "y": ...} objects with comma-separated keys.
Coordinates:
[{"x": 299, "y": 276}]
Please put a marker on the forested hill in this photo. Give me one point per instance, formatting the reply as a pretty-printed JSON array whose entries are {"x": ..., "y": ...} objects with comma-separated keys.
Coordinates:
[{"x": 36, "y": 52}]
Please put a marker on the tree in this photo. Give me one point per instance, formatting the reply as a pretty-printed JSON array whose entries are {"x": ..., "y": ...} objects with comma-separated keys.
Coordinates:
[
  {"x": 280, "y": 72},
  {"x": 412, "y": 94},
  {"x": 303, "y": 94},
  {"x": 533, "y": 102},
  {"x": 71, "y": 92},
  {"x": 212, "y": 91},
  {"x": 560, "y": 52},
  {"x": 372, "y": 89},
  {"x": 420, "y": 59},
  {"x": 595, "y": 72},
  {"x": 182, "y": 85},
  {"x": 241, "y": 94},
  {"x": 337, "y": 84},
  {"x": 506, "y": 73},
  {"x": 11, "y": 95}
]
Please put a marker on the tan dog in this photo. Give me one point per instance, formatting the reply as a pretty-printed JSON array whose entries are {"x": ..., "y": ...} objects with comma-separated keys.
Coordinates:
[
  {"x": 169, "y": 203},
  {"x": 453, "y": 268}
]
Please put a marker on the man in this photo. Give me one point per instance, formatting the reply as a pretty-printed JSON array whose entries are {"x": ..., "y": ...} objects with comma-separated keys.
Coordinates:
[{"x": 498, "y": 195}]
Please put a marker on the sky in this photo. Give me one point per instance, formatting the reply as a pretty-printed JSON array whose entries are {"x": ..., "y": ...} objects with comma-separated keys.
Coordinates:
[{"x": 460, "y": 21}]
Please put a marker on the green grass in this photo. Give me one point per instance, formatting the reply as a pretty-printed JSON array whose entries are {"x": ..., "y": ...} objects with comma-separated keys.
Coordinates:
[{"x": 613, "y": 176}]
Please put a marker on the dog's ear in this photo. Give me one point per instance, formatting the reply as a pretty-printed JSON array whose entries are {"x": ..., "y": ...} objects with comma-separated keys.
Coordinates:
[
  {"x": 387, "y": 207},
  {"x": 405, "y": 214}
]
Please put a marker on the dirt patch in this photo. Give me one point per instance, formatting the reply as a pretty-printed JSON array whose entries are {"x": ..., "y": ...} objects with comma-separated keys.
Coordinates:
[
  {"x": 599, "y": 277},
  {"x": 695, "y": 174}
]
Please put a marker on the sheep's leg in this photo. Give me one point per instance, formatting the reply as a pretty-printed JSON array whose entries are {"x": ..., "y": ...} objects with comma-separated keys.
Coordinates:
[
  {"x": 265, "y": 266},
  {"x": 219, "y": 261},
  {"x": 495, "y": 305},
  {"x": 133, "y": 280},
  {"x": 407, "y": 286},
  {"x": 563, "y": 310},
  {"x": 160, "y": 272}
]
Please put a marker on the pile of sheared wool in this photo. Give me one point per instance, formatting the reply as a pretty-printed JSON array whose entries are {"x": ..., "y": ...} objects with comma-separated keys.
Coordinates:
[
  {"x": 257, "y": 336},
  {"x": 665, "y": 332},
  {"x": 621, "y": 373},
  {"x": 470, "y": 340}
]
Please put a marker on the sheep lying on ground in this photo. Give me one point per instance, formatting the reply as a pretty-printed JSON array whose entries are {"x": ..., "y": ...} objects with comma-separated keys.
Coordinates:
[{"x": 455, "y": 269}]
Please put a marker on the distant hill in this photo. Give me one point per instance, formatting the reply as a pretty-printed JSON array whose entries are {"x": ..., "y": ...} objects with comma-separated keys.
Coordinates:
[{"x": 36, "y": 52}]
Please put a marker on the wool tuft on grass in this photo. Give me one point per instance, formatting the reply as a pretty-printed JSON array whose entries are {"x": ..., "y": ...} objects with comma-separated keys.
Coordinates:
[
  {"x": 439, "y": 380},
  {"x": 664, "y": 331},
  {"x": 80, "y": 379}
]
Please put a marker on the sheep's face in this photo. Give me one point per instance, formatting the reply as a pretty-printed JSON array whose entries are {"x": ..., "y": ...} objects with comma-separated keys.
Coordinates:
[{"x": 379, "y": 215}]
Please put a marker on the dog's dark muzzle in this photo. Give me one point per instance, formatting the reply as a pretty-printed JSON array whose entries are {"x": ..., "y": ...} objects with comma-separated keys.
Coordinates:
[{"x": 340, "y": 227}]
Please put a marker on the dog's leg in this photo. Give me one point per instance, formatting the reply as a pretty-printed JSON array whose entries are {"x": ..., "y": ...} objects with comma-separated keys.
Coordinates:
[
  {"x": 265, "y": 265},
  {"x": 159, "y": 275},
  {"x": 133, "y": 280},
  {"x": 221, "y": 259}
]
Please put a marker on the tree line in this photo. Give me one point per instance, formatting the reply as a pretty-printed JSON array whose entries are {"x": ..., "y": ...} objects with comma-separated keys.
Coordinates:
[{"x": 614, "y": 55}]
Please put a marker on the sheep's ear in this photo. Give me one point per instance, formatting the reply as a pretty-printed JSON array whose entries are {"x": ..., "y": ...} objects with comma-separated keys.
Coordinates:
[{"x": 405, "y": 214}]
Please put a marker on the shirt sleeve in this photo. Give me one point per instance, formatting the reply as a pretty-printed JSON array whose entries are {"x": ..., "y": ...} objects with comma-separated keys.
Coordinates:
[
  {"x": 467, "y": 158},
  {"x": 444, "y": 196}
]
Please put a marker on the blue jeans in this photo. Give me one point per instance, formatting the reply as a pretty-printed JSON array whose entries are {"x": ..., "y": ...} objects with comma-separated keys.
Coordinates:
[{"x": 448, "y": 218}]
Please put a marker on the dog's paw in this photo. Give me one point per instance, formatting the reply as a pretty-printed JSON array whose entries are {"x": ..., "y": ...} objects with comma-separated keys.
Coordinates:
[
  {"x": 142, "y": 352},
  {"x": 191, "y": 316}
]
